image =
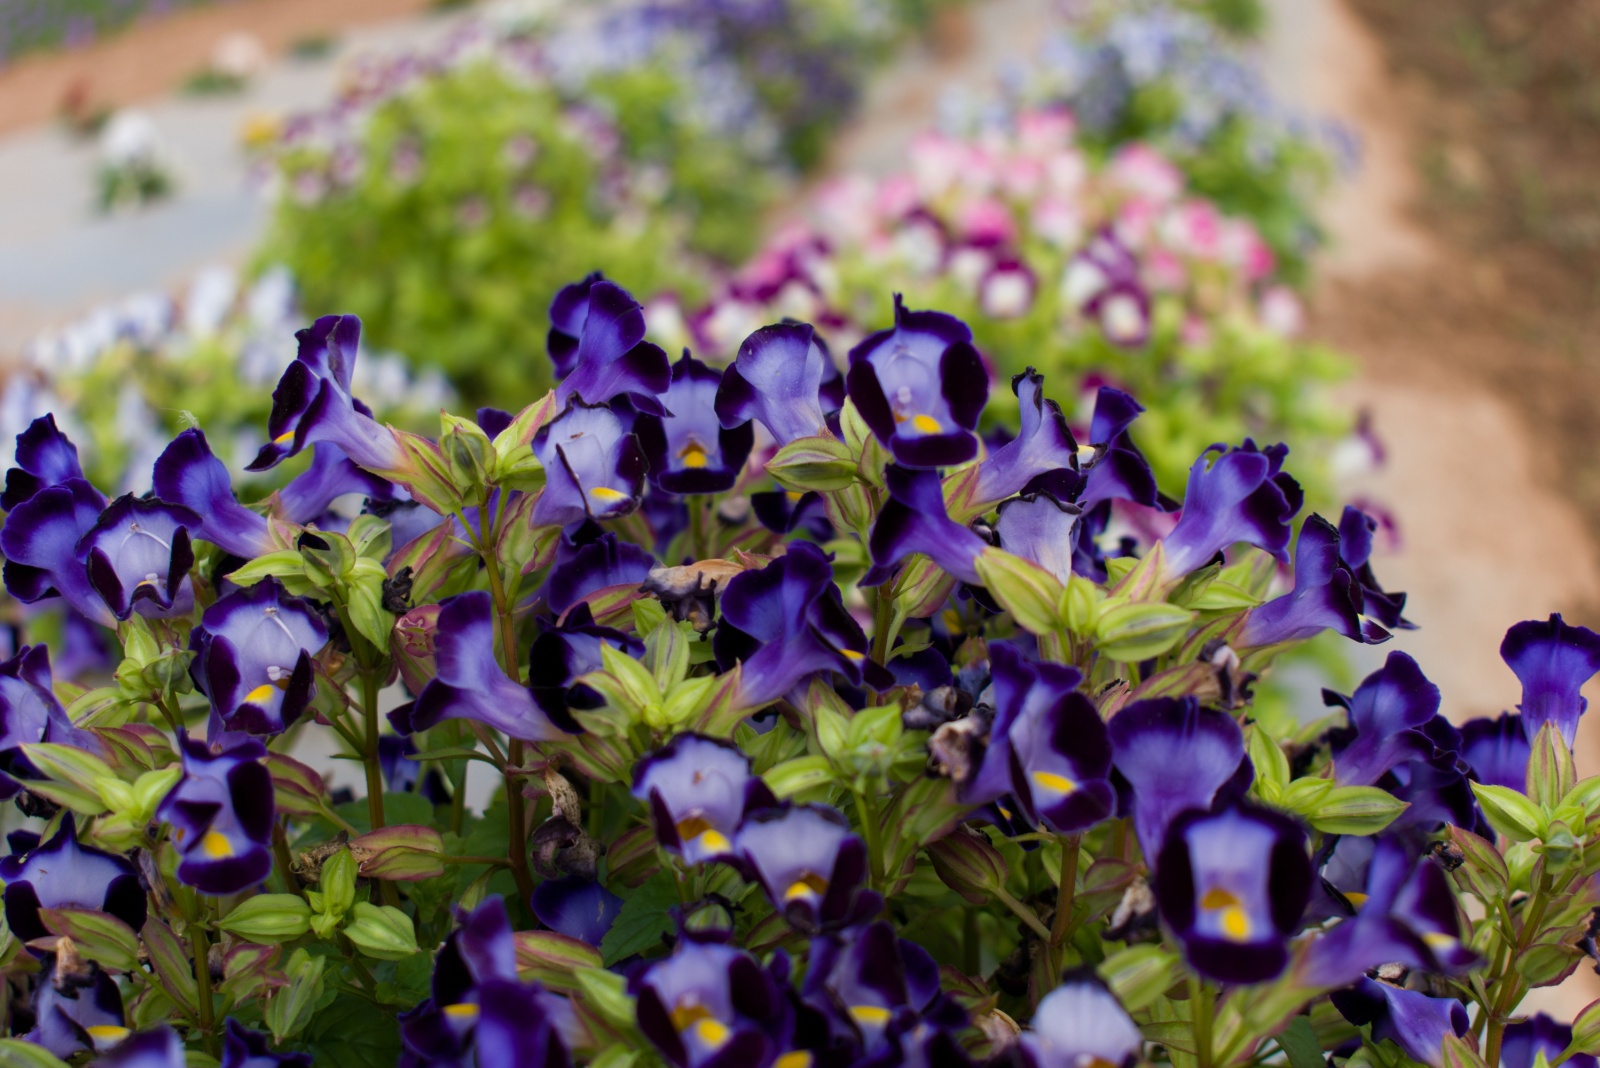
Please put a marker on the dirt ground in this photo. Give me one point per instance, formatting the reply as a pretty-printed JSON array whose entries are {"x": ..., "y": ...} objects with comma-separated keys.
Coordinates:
[{"x": 155, "y": 57}]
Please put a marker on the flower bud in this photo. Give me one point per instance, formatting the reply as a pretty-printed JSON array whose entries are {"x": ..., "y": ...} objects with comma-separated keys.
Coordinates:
[
  {"x": 381, "y": 931},
  {"x": 269, "y": 918},
  {"x": 1141, "y": 630},
  {"x": 411, "y": 643},
  {"x": 471, "y": 457},
  {"x": 290, "y": 1008},
  {"x": 968, "y": 864},
  {"x": 1586, "y": 1029}
]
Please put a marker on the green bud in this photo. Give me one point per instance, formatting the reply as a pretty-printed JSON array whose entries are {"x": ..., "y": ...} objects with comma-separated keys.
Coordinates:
[
  {"x": 1272, "y": 767},
  {"x": 968, "y": 863},
  {"x": 1031, "y": 594},
  {"x": 1586, "y": 1029},
  {"x": 792, "y": 777},
  {"x": 268, "y": 918},
  {"x": 381, "y": 931},
  {"x": 290, "y": 1008},
  {"x": 402, "y": 852},
  {"x": 1551, "y": 774},
  {"x": 16, "y": 1053},
  {"x": 666, "y": 652},
  {"x": 1140, "y": 630},
  {"x": 606, "y": 993},
  {"x": 519, "y": 469},
  {"x": 631, "y": 858},
  {"x": 626, "y": 684},
  {"x": 1081, "y": 605},
  {"x": 1139, "y": 975},
  {"x": 338, "y": 882},
  {"x": 1558, "y": 845},
  {"x": 550, "y": 958},
  {"x": 99, "y": 936},
  {"x": 1358, "y": 810},
  {"x": 471, "y": 457},
  {"x": 1509, "y": 813},
  {"x": 1546, "y": 962},
  {"x": 150, "y": 789},
  {"x": 1483, "y": 870},
  {"x": 815, "y": 463},
  {"x": 1456, "y": 1052}
]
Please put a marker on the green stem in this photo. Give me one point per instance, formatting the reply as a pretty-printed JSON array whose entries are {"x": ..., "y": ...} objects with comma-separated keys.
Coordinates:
[
  {"x": 1061, "y": 926},
  {"x": 1200, "y": 1012},
  {"x": 867, "y": 813},
  {"x": 882, "y": 620},
  {"x": 369, "y": 749},
  {"x": 200, "y": 944},
  {"x": 516, "y": 825},
  {"x": 1508, "y": 990},
  {"x": 1024, "y": 913},
  {"x": 698, "y": 549},
  {"x": 280, "y": 853}
]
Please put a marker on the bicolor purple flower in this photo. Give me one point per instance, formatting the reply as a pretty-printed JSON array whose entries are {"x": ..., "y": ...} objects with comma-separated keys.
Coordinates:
[
  {"x": 138, "y": 556},
  {"x": 30, "y": 712},
  {"x": 920, "y": 386},
  {"x": 1048, "y": 747},
  {"x": 331, "y": 475},
  {"x": 594, "y": 468},
  {"x": 1242, "y": 496},
  {"x": 568, "y": 310},
  {"x": 1523, "y": 1042},
  {"x": 244, "y": 1048},
  {"x": 690, "y": 451},
  {"x": 1552, "y": 659},
  {"x": 914, "y": 520},
  {"x": 44, "y": 457},
  {"x": 1041, "y": 529},
  {"x": 698, "y": 790},
  {"x": 1121, "y": 471},
  {"x": 40, "y": 542},
  {"x": 61, "y": 874},
  {"x": 1103, "y": 281},
  {"x": 777, "y": 380},
  {"x": 1388, "y": 716},
  {"x": 611, "y": 357},
  {"x": 589, "y": 560},
  {"x": 1232, "y": 884},
  {"x": 1123, "y": 311},
  {"x": 1044, "y": 443},
  {"x": 1175, "y": 756},
  {"x": 712, "y": 1006},
  {"x": 576, "y": 907},
  {"x": 313, "y": 402},
  {"x": 1356, "y": 529},
  {"x": 1497, "y": 750},
  {"x": 1412, "y": 1020},
  {"x": 471, "y": 684},
  {"x": 1325, "y": 597},
  {"x": 189, "y": 474},
  {"x": 563, "y": 654},
  {"x": 784, "y": 512},
  {"x": 787, "y": 621},
  {"x": 162, "y": 1048},
  {"x": 880, "y": 995},
  {"x": 253, "y": 652},
  {"x": 221, "y": 813},
  {"x": 1081, "y": 1022},
  {"x": 75, "y": 1012},
  {"x": 811, "y": 865}
]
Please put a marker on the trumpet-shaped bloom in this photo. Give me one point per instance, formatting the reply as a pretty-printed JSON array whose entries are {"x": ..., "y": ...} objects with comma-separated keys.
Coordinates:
[
  {"x": 75, "y": 1012},
  {"x": 1232, "y": 885},
  {"x": 787, "y": 621},
  {"x": 1175, "y": 756},
  {"x": 589, "y": 559},
  {"x": 914, "y": 520},
  {"x": 30, "y": 712},
  {"x": 777, "y": 380},
  {"x": 187, "y": 473},
  {"x": 562, "y": 654},
  {"x": 331, "y": 475},
  {"x": 1243, "y": 496},
  {"x": 690, "y": 451},
  {"x": 712, "y": 1005},
  {"x": 611, "y": 357},
  {"x": 1552, "y": 659},
  {"x": 1326, "y": 596},
  {"x": 920, "y": 386},
  {"x": 253, "y": 652},
  {"x": 40, "y": 541},
  {"x": 1412, "y": 1020},
  {"x": 138, "y": 557},
  {"x": 1524, "y": 1041},
  {"x": 471, "y": 684},
  {"x": 1081, "y": 1022},
  {"x": 811, "y": 865},
  {"x": 1497, "y": 750},
  {"x": 1121, "y": 472},
  {"x": 1388, "y": 714},
  {"x": 221, "y": 813},
  {"x": 1040, "y": 528},
  {"x": 698, "y": 790},
  {"x": 313, "y": 402},
  {"x": 45, "y": 457},
  {"x": 1355, "y": 555},
  {"x": 1044, "y": 443},
  {"x": 61, "y": 874},
  {"x": 594, "y": 468}
]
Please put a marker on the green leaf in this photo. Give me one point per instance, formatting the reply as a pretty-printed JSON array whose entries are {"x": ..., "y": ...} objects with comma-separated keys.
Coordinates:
[
  {"x": 1299, "y": 1043},
  {"x": 816, "y": 463},
  {"x": 1334, "y": 809},
  {"x": 645, "y": 917},
  {"x": 15, "y": 1053},
  {"x": 1509, "y": 813},
  {"x": 353, "y": 1033},
  {"x": 1272, "y": 767},
  {"x": 1031, "y": 594},
  {"x": 281, "y": 564},
  {"x": 796, "y": 776},
  {"x": 1140, "y": 630}
]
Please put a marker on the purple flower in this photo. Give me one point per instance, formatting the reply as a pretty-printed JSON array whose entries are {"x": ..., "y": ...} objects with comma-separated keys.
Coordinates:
[
  {"x": 1081, "y": 1022},
  {"x": 313, "y": 402},
  {"x": 564, "y": 653},
  {"x": 138, "y": 556},
  {"x": 1523, "y": 1042},
  {"x": 1123, "y": 311},
  {"x": 1232, "y": 885},
  {"x": 45, "y": 457},
  {"x": 1355, "y": 554},
  {"x": 243, "y": 1048},
  {"x": 921, "y": 386},
  {"x": 712, "y": 1005},
  {"x": 785, "y": 622},
  {"x": 1041, "y": 529},
  {"x": 40, "y": 542},
  {"x": 162, "y": 1048},
  {"x": 471, "y": 684},
  {"x": 1244, "y": 496},
  {"x": 1175, "y": 756},
  {"x": 777, "y": 380},
  {"x": 187, "y": 473},
  {"x": 689, "y": 451},
  {"x": 914, "y": 520},
  {"x": 1413, "y": 1021},
  {"x": 1121, "y": 472},
  {"x": 221, "y": 814},
  {"x": 1325, "y": 597},
  {"x": 1552, "y": 660},
  {"x": 61, "y": 874},
  {"x": 30, "y": 712},
  {"x": 1048, "y": 747},
  {"x": 1388, "y": 714},
  {"x": 331, "y": 475},
  {"x": 253, "y": 652},
  {"x": 1103, "y": 280},
  {"x": 594, "y": 468},
  {"x": 610, "y": 357},
  {"x": 811, "y": 865},
  {"x": 698, "y": 790},
  {"x": 75, "y": 1012},
  {"x": 588, "y": 560},
  {"x": 1044, "y": 444},
  {"x": 576, "y": 907},
  {"x": 1497, "y": 750},
  {"x": 784, "y": 512}
]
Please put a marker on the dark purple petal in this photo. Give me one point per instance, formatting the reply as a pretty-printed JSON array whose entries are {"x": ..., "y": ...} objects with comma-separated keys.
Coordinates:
[
  {"x": 1387, "y": 714},
  {"x": 776, "y": 380},
  {"x": 243, "y": 1048},
  {"x": 593, "y": 467},
  {"x": 914, "y": 520},
  {"x": 221, "y": 813},
  {"x": 1241, "y": 497},
  {"x": 697, "y": 789},
  {"x": 1524, "y": 1041},
  {"x": 1175, "y": 757},
  {"x": 139, "y": 556},
  {"x": 1414, "y": 1021},
  {"x": 568, "y": 311},
  {"x": 576, "y": 907},
  {"x": 808, "y": 861},
  {"x": 40, "y": 542},
  {"x": 187, "y": 473},
  {"x": 604, "y": 562},
  {"x": 253, "y": 657},
  {"x": 1081, "y": 1022},
  {"x": 1552, "y": 659},
  {"x": 61, "y": 873},
  {"x": 45, "y": 457},
  {"x": 1044, "y": 443},
  {"x": 1325, "y": 596},
  {"x": 309, "y": 495},
  {"x": 691, "y": 451},
  {"x": 1041, "y": 529},
  {"x": 612, "y": 357},
  {"x": 1497, "y": 750}
]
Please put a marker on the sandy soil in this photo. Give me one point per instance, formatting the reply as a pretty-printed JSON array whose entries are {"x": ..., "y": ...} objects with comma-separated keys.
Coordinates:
[{"x": 155, "y": 57}]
